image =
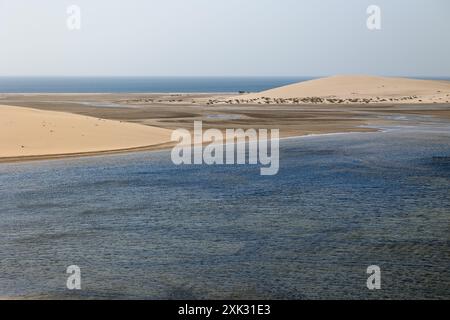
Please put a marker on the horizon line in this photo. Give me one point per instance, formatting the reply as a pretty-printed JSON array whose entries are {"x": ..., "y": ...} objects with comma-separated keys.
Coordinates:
[{"x": 217, "y": 76}]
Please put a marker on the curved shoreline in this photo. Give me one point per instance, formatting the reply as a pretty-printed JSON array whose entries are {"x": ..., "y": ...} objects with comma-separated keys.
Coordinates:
[
  {"x": 30, "y": 134},
  {"x": 154, "y": 147}
]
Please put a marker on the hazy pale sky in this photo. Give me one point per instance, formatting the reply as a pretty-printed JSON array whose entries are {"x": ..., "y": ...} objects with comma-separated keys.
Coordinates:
[{"x": 224, "y": 38}]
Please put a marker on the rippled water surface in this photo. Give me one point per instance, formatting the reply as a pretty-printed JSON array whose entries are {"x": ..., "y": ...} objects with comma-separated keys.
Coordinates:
[{"x": 140, "y": 227}]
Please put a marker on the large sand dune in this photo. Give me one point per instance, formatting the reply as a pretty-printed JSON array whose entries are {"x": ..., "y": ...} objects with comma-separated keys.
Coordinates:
[
  {"x": 26, "y": 132},
  {"x": 348, "y": 88}
]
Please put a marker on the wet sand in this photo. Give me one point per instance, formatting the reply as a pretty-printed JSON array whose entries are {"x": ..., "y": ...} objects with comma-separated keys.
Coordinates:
[{"x": 173, "y": 111}]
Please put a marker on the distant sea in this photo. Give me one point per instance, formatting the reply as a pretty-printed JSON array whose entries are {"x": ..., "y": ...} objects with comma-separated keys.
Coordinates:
[
  {"x": 142, "y": 84},
  {"x": 147, "y": 84}
]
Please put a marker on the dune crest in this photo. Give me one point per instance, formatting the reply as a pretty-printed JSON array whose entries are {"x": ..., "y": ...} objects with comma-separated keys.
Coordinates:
[
  {"x": 357, "y": 88},
  {"x": 26, "y": 132}
]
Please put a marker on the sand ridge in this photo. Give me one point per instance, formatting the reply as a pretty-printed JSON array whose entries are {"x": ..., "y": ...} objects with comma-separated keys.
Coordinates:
[
  {"x": 355, "y": 89},
  {"x": 26, "y": 132}
]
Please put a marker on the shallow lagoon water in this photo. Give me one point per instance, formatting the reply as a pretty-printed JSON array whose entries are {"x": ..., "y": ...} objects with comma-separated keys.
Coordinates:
[{"x": 140, "y": 227}]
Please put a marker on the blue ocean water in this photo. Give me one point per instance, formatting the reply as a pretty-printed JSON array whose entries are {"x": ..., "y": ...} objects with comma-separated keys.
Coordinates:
[
  {"x": 142, "y": 84},
  {"x": 145, "y": 84},
  {"x": 140, "y": 227}
]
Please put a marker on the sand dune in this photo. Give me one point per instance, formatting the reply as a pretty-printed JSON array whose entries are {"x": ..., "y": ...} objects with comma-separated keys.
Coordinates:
[
  {"x": 376, "y": 89},
  {"x": 26, "y": 132}
]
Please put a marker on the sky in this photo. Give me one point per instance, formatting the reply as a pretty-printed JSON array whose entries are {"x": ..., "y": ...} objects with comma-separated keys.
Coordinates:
[{"x": 224, "y": 38}]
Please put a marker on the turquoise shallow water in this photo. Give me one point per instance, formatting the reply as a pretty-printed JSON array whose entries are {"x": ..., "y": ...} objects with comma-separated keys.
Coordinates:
[{"x": 140, "y": 227}]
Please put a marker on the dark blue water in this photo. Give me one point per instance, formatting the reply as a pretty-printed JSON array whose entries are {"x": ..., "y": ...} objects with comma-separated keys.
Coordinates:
[
  {"x": 140, "y": 227},
  {"x": 142, "y": 84}
]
